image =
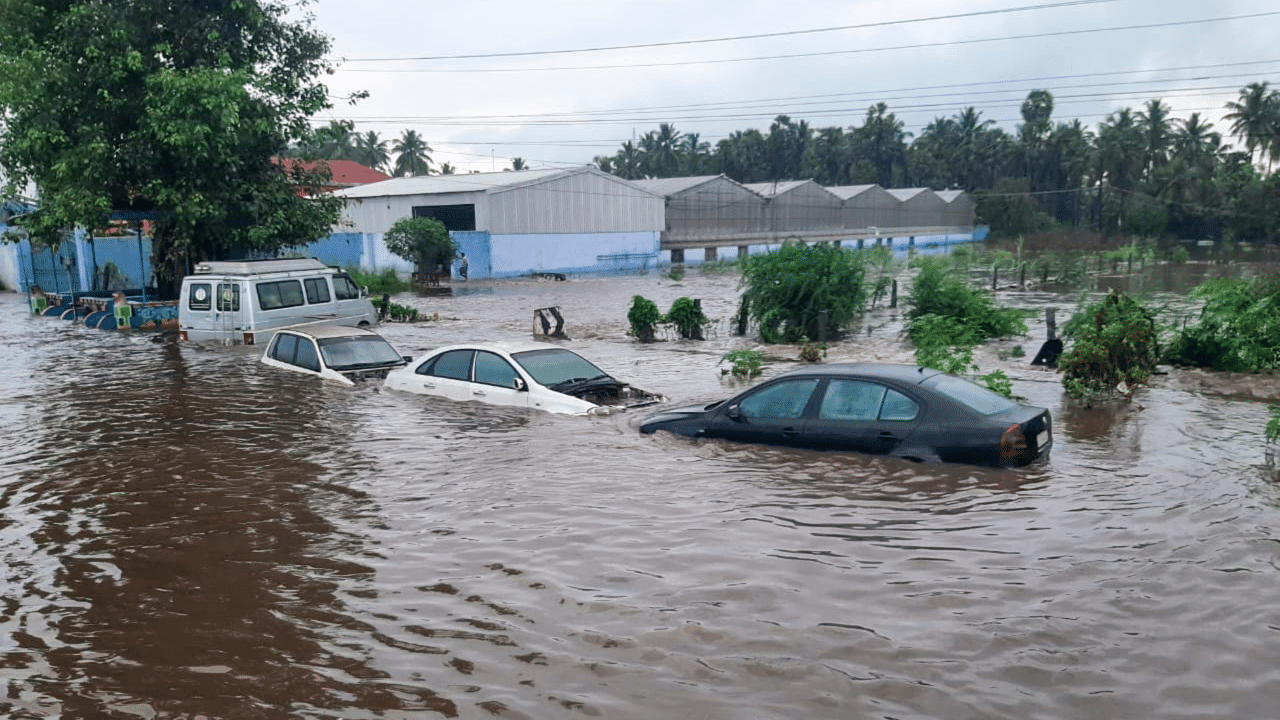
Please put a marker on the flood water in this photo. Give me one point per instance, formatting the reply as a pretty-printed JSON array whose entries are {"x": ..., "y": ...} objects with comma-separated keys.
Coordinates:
[{"x": 187, "y": 533}]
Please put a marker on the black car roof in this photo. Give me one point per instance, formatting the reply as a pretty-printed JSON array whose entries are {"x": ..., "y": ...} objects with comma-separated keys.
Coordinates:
[{"x": 889, "y": 371}]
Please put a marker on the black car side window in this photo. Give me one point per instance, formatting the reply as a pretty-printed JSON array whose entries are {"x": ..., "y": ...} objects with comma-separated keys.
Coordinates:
[
  {"x": 851, "y": 400},
  {"x": 898, "y": 407},
  {"x": 780, "y": 401}
]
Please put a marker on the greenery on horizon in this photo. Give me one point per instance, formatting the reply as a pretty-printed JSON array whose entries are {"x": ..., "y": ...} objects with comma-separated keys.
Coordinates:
[
  {"x": 1140, "y": 171},
  {"x": 172, "y": 109}
]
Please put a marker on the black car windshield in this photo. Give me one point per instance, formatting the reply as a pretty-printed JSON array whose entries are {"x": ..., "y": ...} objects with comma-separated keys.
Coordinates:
[
  {"x": 974, "y": 396},
  {"x": 555, "y": 366},
  {"x": 352, "y": 353}
]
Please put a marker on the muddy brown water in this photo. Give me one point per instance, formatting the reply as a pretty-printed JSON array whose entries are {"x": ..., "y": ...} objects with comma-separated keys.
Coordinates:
[{"x": 187, "y": 533}]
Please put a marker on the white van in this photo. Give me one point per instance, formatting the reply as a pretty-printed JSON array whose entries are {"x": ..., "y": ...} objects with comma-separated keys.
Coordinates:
[{"x": 246, "y": 301}]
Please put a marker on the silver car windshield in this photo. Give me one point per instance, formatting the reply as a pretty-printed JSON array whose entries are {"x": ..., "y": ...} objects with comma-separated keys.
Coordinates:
[
  {"x": 353, "y": 353},
  {"x": 974, "y": 396},
  {"x": 557, "y": 367}
]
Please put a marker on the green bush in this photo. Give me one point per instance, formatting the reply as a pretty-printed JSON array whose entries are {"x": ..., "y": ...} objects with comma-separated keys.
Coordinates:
[
  {"x": 676, "y": 273},
  {"x": 811, "y": 351},
  {"x": 644, "y": 318},
  {"x": 939, "y": 290},
  {"x": 1238, "y": 329},
  {"x": 1273, "y": 425},
  {"x": 381, "y": 283},
  {"x": 744, "y": 363},
  {"x": 687, "y": 317},
  {"x": 788, "y": 290},
  {"x": 1115, "y": 342},
  {"x": 423, "y": 241}
]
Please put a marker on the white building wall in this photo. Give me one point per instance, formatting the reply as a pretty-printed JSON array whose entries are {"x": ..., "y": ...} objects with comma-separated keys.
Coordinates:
[
  {"x": 572, "y": 252},
  {"x": 9, "y": 269}
]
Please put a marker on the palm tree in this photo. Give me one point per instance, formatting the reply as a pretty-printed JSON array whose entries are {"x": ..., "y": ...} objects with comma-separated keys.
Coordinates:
[
  {"x": 371, "y": 150},
  {"x": 693, "y": 153},
  {"x": 335, "y": 140},
  {"x": 885, "y": 142},
  {"x": 1155, "y": 124},
  {"x": 447, "y": 169},
  {"x": 518, "y": 163},
  {"x": 626, "y": 164},
  {"x": 413, "y": 155},
  {"x": 1255, "y": 117}
]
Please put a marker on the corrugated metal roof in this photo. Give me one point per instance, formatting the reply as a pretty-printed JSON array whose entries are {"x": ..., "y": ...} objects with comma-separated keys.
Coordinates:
[
  {"x": 774, "y": 189},
  {"x": 948, "y": 195},
  {"x": 905, "y": 194},
  {"x": 440, "y": 184},
  {"x": 672, "y": 186},
  {"x": 844, "y": 192}
]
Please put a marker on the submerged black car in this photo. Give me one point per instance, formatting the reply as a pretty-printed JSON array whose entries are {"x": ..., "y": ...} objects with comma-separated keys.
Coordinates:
[{"x": 900, "y": 410}]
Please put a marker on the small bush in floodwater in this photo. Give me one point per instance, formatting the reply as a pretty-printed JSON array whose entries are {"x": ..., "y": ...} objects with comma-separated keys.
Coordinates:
[
  {"x": 1273, "y": 426},
  {"x": 1115, "y": 343},
  {"x": 688, "y": 318},
  {"x": 744, "y": 363},
  {"x": 937, "y": 290},
  {"x": 644, "y": 318},
  {"x": 789, "y": 291}
]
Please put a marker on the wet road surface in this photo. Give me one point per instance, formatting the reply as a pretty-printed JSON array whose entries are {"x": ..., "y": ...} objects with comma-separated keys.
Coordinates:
[{"x": 188, "y": 533}]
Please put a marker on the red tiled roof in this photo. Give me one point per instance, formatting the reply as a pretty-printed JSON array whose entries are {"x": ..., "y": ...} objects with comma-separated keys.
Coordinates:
[{"x": 346, "y": 173}]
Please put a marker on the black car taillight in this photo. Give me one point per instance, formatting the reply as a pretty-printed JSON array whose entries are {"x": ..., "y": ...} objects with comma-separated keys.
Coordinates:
[{"x": 1013, "y": 446}]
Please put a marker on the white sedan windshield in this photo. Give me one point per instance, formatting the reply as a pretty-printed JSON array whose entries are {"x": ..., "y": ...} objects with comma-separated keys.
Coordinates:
[
  {"x": 351, "y": 353},
  {"x": 554, "y": 367}
]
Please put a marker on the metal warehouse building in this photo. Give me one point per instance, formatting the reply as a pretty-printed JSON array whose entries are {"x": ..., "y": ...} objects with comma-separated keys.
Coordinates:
[
  {"x": 798, "y": 205},
  {"x": 510, "y": 223},
  {"x": 707, "y": 207},
  {"x": 865, "y": 206}
]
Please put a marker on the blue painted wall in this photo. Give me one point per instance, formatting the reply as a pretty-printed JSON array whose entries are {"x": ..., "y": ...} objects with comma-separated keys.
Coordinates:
[
  {"x": 588, "y": 252},
  {"x": 341, "y": 249}
]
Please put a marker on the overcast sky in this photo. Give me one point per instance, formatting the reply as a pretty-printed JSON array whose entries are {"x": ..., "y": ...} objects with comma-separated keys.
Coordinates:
[{"x": 565, "y": 100}]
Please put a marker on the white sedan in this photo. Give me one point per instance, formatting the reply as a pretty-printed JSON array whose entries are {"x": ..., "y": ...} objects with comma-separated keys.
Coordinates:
[
  {"x": 334, "y": 352},
  {"x": 534, "y": 375}
]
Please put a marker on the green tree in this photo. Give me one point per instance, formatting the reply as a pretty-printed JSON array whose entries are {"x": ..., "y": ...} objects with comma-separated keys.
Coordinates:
[
  {"x": 422, "y": 241},
  {"x": 518, "y": 163},
  {"x": 371, "y": 151},
  {"x": 413, "y": 155},
  {"x": 1115, "y": 346},
  {"x": 1255, "y": 117},
  {"x": 172, "y": 108},
  {"x": 789, "y": 290}
]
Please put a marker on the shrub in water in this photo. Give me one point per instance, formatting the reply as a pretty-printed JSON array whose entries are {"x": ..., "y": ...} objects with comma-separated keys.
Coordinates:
[
  {"x": 1238, "y": 330},
  {"x": 644, "y": 318},
  {"x": 687, "y": 318},
  {"x": 788, "y": 290},
  {"x": 1115, "y": 343},
  {"x": 745, "y": 363},
  {"x": 938, "y": 290}
]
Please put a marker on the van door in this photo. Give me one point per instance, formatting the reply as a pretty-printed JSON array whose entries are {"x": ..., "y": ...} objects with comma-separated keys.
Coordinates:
[
  {"x": 228, "y": 315},
  {"x": 352, "y": 307},
  {"x": 196, "y": 314}
]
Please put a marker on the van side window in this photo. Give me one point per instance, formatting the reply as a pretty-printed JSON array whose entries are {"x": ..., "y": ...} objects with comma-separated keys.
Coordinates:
[
  {"x": 201, "y": 296},
  {"x": 279, "y": 294},
  {"x": 317, "y": 290},
  {"x": 228, "y": 297},
  {"x": 344, "y": 288}
]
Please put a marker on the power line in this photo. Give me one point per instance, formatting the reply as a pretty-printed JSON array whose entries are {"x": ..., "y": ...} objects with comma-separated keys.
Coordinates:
[
  {"x": 828, "y": 53},
  {"x": 758, "y": 36}
]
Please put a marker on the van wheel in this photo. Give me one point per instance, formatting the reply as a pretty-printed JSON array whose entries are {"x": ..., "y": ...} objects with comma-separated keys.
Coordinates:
[{"x": 363, "y": 323}]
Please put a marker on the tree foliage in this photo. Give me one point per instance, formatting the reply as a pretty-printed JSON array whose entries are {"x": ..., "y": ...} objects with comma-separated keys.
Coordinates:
[
  {"x": 1115, "y": 346},
  {"x": 788, "y": 290},
  {"x": 1238, "y": 329},
  {"x": 171, "y": 108},
  {"x": 941, "y": 291},
  {"x": 644, "y": 317},
  {"x": 424, "y": 241}
]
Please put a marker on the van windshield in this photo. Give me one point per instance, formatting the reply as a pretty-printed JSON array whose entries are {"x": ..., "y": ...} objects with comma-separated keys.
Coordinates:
[{"x": 355, "y": 353}]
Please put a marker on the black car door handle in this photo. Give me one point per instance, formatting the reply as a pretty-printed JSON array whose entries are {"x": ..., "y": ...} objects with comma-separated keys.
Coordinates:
[
  {"x": 789, "y": 431},
  {"x": 886, "y": 435}
]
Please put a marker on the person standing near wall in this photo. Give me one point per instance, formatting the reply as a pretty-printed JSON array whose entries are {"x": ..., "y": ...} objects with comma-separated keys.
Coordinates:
[{"x": 462, "y": 265}]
